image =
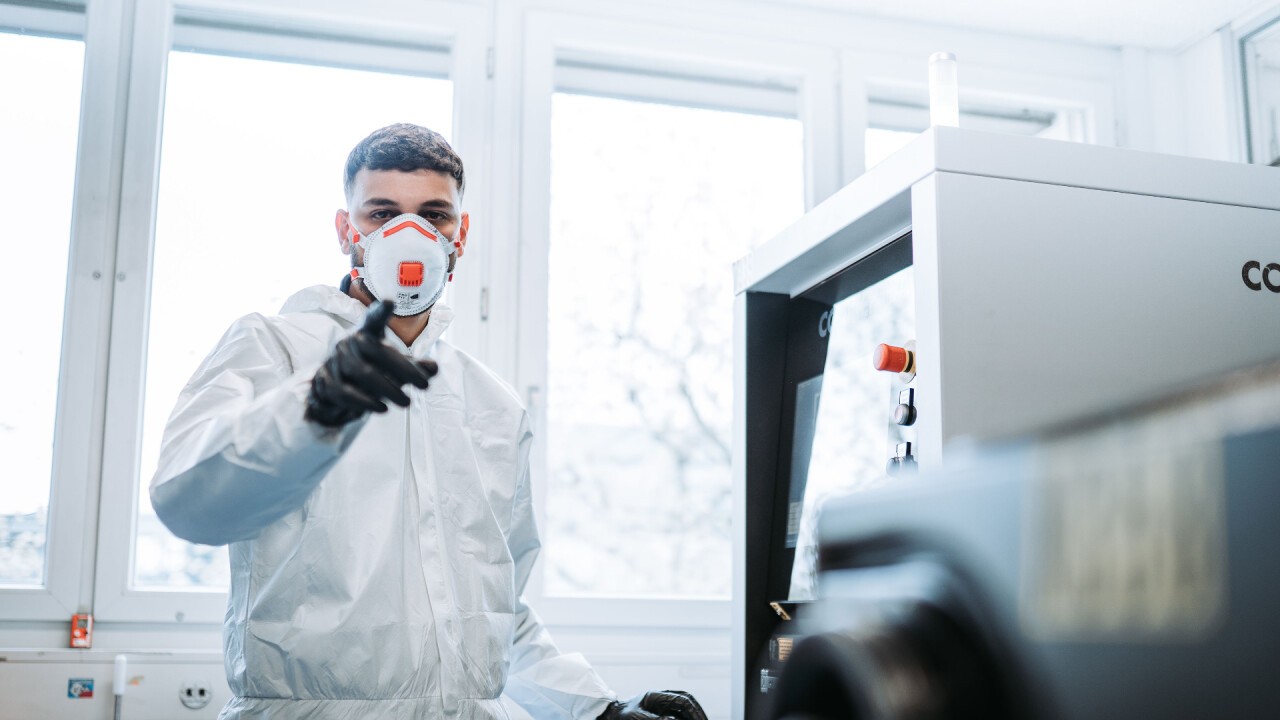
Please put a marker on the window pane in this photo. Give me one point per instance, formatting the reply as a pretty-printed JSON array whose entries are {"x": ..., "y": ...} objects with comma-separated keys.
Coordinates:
[
  {"x": 881, "y": 143},
  {"x": 250, "y": 177},
  {"x": 38, "y": 131},
  {"x": 892, "y": 124},
  {"x": 650, "y": 206},
  {"x": 852, "y": 433},
  {"x": 1261, "y": 51}
]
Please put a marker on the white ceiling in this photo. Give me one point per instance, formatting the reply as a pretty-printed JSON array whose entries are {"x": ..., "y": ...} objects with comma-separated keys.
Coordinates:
[{"x": 1157, "y": 24}]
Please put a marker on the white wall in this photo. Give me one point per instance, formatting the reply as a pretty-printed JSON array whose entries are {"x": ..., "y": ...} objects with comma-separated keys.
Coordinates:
[{"x": 34, "y": 684}]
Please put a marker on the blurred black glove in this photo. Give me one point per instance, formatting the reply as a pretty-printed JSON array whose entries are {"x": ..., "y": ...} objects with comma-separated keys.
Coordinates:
[
  {"x": 656, "y": 705},
  {"x": 362, "y": 373}
]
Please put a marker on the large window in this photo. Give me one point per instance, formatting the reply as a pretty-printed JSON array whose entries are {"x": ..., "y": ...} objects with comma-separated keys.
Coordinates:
[
  {"x": 251, "y": 174},
  {"x": 38, "y": 132},
  {"x": 895, "y": 121},
  {"x": 650, "y": 205}
]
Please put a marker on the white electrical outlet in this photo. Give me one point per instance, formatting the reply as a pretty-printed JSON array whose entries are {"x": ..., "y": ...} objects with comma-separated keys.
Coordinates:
[{"x": 195, "y": 694}]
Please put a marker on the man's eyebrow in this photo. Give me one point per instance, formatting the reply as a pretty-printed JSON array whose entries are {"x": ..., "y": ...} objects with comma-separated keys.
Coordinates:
[
  {"x": 438, "y": 205},
  {"x": 381, "y": 202}
]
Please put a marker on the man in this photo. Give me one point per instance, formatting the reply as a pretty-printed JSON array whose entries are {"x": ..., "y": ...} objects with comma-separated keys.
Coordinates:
[{"x": 374, "y": 485}]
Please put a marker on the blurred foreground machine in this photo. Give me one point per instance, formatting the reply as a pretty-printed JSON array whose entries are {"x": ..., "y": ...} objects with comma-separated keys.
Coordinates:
[
  {"x": 1102, "y": 322},
  {"x": 1124, "y": 569}
]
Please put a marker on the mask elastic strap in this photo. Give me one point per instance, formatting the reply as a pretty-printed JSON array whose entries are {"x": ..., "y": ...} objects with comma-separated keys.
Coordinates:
[{"x": 353, "y": 236}]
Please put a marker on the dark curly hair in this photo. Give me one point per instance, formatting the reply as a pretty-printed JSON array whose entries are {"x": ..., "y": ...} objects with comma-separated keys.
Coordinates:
[{"x": 407, "y": 147}]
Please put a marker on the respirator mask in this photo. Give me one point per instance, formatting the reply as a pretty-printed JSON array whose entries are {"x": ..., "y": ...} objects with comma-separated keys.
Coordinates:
[{"x": 406, "y": 261}]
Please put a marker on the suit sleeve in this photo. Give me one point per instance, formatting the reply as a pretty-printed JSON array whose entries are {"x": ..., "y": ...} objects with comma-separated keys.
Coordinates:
[
  {"x": 237, "y": 454},
  {"x": 543, "y": 681}
]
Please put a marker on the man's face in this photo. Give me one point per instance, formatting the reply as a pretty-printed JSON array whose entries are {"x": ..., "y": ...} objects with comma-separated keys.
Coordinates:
[{"x": 379, "y": 195}]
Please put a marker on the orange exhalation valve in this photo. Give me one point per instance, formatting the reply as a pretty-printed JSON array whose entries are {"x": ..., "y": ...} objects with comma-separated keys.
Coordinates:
[
  {"x": 891, "y": 358},
  {"x": 410, "y": 274}
]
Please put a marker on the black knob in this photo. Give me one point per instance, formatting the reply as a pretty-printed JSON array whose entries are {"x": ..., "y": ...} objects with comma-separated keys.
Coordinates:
[
  {"x": 905, "y": 412},
  {"x": 903, "y": 459},
  {"x": 901, "y": 464},
  {"x": 904, "y": 415}
]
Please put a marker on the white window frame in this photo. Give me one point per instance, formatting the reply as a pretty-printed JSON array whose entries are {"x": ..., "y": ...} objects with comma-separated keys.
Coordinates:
[
  {"x": 1085, "y": 107},
  {"x": 73, "y": 480},
  {"x": 910, "y": 114},
  {"x": 1245, "y": 86},
  {"x": 402, "y": 37},
  {"x": 573, "y": 53}
]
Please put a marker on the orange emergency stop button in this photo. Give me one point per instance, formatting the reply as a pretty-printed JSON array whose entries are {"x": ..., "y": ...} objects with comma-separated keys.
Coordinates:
[{"x": 894, "y": 359}]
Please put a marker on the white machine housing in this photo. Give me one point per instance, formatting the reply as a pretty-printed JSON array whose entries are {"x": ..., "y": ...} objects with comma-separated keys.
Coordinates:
[{"x": 1053, "y": 281}]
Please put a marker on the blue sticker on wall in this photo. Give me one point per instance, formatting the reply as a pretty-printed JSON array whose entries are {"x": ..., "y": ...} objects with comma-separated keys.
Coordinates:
[{"x": 79, "y": 687}]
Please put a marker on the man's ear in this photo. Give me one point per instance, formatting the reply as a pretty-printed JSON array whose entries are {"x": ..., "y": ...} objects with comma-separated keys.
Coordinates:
[
  {"x": 463, "y": 228},
  {"x": 342, "y": 222}
]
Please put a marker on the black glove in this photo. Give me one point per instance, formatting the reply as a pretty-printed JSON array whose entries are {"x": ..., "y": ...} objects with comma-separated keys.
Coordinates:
[
  {"x": 362, "y": 373},
  {"x": 656, "y": 705}
]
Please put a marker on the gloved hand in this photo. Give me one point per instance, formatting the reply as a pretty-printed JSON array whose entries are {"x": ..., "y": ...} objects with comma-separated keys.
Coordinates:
[
  {"x": 362, "y": 373},
  {"x": 656, "y": 705}
]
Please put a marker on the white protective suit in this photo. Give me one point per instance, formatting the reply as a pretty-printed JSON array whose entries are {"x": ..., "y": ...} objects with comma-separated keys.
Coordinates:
[{"x": 377, "y": 571}]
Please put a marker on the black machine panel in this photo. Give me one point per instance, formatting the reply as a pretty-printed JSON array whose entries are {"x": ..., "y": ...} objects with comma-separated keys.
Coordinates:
[{"x": 788, "y": 368}]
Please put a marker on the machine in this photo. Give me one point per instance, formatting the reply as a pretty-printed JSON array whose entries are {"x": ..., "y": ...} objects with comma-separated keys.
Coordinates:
[
  {"x": 1123, "y": 568},
  {"x": 971, "y": 289}
]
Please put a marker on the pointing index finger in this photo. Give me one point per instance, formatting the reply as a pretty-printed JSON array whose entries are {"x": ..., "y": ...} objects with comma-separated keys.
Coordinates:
[{"x": 375, "y": 321}]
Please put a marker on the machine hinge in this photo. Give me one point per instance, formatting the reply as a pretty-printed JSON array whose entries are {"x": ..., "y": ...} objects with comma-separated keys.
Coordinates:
[
  {"x": 484, "y": 304},
  {"x": 489, "y": 62},
  {"x": 782, "y": 612}
]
